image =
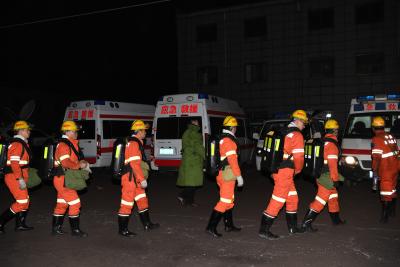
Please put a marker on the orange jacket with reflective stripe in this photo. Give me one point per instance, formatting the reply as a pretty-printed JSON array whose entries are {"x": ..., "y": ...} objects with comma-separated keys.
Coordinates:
[
  {"x": 66, "y": 156},
  {"x": 331, "y": 155},
  {"x": 294, "y": 145},
  {"x": 15, "y": 161},
  {"x": 133, "y": 156},
  {"x": 228, "y": 149},
  {"x": 384, "y": 153}
]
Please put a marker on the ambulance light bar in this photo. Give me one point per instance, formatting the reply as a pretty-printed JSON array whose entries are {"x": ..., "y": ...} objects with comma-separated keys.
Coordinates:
[
  {"x": 378, "y": 97},
  {"x": 366, "y": 98},
  {"x": 202, "y": 96},
  {"x": 393, "y": 97},
  {"x": 99, "y": 102}
]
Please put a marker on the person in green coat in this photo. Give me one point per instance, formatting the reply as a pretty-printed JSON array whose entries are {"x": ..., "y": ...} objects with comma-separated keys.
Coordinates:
[{"x": 191, "y": 170}]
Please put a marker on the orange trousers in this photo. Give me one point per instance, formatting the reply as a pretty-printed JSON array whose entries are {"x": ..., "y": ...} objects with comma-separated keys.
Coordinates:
[
  {"x": 66, "y": 198},
  {"x": 21, "y": 196},
  {"x": 388, "y": 185},
  {"x": 226, "y": 194},
  {"x": 132, "y": 192},
  {"x": 324, "y": 196},
  {"x": 284, "y": 193}
]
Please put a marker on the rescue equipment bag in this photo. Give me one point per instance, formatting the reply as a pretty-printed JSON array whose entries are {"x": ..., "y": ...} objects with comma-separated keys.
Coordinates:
[
  {"x": 33, "y": 178},
  {"x": 272, "y": 151},
  {"x": 118, "y": 166},
  {"x": 47, "y": 170},
  {"x": 213, "y": 156},
  {"x": 4, "y": 144},
  {"x": 76, "y": 179}
]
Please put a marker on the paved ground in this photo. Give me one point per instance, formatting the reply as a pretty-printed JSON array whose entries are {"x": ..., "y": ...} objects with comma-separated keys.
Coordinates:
[{"x": 182, "y": 242}]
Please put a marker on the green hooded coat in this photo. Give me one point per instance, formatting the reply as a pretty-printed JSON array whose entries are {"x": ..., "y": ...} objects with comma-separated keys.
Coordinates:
[{"x": 191, "y": 169}]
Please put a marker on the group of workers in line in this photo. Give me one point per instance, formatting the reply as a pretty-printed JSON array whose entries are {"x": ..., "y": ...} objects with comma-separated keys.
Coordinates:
[{"x": 384, "y": 165}]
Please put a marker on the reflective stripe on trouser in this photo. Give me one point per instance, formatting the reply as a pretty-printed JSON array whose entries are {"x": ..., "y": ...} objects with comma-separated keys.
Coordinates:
[
  {"x": 21, "y": 196},
  {"x": 226, "y": 194},
  {"x": 324, "y": 196},
  {"x": 66, "y": 199},
  {"x": 132, "y": 193},
  {"x": 388, "y": 187},
  {"x": 284, "y": 193}
]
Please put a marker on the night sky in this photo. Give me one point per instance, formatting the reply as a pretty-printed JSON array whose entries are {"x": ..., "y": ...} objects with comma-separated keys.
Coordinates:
[{"x": 125, "y": 55}]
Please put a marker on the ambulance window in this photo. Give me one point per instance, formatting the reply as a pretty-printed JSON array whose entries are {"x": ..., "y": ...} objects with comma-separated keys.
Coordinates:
[
  {"x": 185, "y": 121},
  {"x": 359, "y": 126},
  {"x": 216, "y": 125},
  {"x": 114, "y": 129},
  {"x": 174, "y": 127},
  {"x": 88, "y": 130}
]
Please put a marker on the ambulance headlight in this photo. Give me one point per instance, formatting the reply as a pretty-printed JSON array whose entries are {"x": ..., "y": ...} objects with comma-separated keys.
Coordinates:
[{"x": 350, "y": 160}]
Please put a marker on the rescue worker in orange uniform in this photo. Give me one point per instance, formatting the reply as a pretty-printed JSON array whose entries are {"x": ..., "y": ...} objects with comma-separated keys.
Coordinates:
[
  {"x": 327, "y": 195},
  {"x": 385, "y": 155},
  {"x": 18, "y": 157},
  {"x": 67, "y": 198},
  {"x": 134, "y": 183},
  {"x": 284, "y": 189},
  {"x": 229, "y": 157}
]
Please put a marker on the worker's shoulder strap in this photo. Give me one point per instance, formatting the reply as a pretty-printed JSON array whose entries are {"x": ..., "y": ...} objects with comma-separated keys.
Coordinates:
[
  {"x": 333, "y": 141},
  {"x": 71, "y": 147},
  {"x": 140, "y": 144},
  {"x": 25, "y": 146},
  {"x": 287, "y": 130},
  {"x": 229, "y": 136}
]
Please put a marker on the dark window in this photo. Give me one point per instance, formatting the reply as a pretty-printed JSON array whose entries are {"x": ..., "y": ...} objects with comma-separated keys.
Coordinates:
[
  {"x": 88, "y": 130},
  {"x": 322, "y": 67},
  {"x": 255, "y": 27},
  {"x": 206, "y": 33},
  {"x": 240, "y": 132},
  {"x": 370, "y": 63},
  {"x": 207, "y": 76},
  {"x": 174, "y": 127},
  {"x": 372, "y": 12},
  {"x": 216, "y": 125},
  {"x": 255, "y": 72},
  {"x": 322, "y": 18},
  {"x": 359, "y": 125},
  {"x": 115, "y": 129}
]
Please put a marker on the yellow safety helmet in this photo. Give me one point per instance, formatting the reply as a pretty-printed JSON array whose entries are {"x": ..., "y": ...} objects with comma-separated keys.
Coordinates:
[
  {"x": 300, "y": 115},
  {"x": 21, "y": 125},
  {"x": 230, "y": 121},
  {"x": 139, "y": 125},
  {"x": 69, "y": 126},
  {"x": 378, "y": 122},
  {"x": 331, "y": 124}
]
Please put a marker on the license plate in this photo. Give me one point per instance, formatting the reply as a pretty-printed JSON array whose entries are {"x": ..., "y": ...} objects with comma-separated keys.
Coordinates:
[{"x": 166, "y": 151}]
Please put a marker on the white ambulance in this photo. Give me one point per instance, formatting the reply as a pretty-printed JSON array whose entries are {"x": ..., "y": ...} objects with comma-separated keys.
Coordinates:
[
  {"x": 104, "y": 121},
  {"x": 355, "y": 163},
  {"x": 174, "y": 113}
]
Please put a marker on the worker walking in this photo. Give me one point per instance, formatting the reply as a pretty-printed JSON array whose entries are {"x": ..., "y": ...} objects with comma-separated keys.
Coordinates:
[
  {"x": 226, "y": 179},
  {"x": 134, "y": 182},
  {"x": 328, "y": 182},
  {"x": 284, "y": 189},
  {"x": 385, "y": 155},
  {"x": 16, "y": 178}
]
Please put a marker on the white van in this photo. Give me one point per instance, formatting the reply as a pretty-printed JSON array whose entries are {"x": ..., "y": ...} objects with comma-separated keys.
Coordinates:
[
  {"x": 356, "y": 159},
  {"x": 173, "y": 114},
  {"x": 104, "y": 121}
]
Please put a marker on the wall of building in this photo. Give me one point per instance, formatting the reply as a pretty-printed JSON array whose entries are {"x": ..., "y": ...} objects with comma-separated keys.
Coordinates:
[{"x": 286, "y": 49}]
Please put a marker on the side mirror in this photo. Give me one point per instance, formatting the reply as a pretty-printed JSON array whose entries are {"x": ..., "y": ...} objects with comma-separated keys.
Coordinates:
[{"x": 256, "y": 136}]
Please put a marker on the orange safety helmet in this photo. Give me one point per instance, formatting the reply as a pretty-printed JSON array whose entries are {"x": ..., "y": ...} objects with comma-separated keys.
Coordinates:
[{"x": 378, "y": 122}]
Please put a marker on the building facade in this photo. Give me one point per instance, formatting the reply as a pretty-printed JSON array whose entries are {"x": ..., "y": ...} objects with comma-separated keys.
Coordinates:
[{"x": 280, "y": 55}]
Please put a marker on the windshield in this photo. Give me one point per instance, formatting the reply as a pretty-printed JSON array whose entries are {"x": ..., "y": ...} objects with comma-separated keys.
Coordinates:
[
  {"x": 276, "y": 125},
  {"x": 359, "y": 125},
  {"x": 174, "y": 127}
]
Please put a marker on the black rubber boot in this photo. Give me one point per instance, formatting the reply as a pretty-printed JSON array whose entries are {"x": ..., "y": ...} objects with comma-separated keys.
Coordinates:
[
  {"x": 147, "y": 224},
  {"x": 123, "y": 222},
  {"x": 20, "y": 222},
  {"x": 228, "y": 220},
  {"x": 213, "y": 223},
  {"x": 75, "y": 230},
  {"x": 5, "y": 218},
  {"x": 57, "y": 225},
  {"x": 306, "y": 226},
  {"x": 392, "y": 212},
  {"x": 291, "y": 220},
  {"x": 336, "y": 218},
  {"x": 385, "y": 212},
  {"x": 266, "y": 223}
]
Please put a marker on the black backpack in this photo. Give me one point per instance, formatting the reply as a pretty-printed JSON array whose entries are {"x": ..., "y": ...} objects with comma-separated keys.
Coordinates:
[
  {"x": 213, "y": 156},
  {"x": 46, "y": 170},
  {"x": 272, "y": 151},
  {"x": 4, "y": 144}
]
